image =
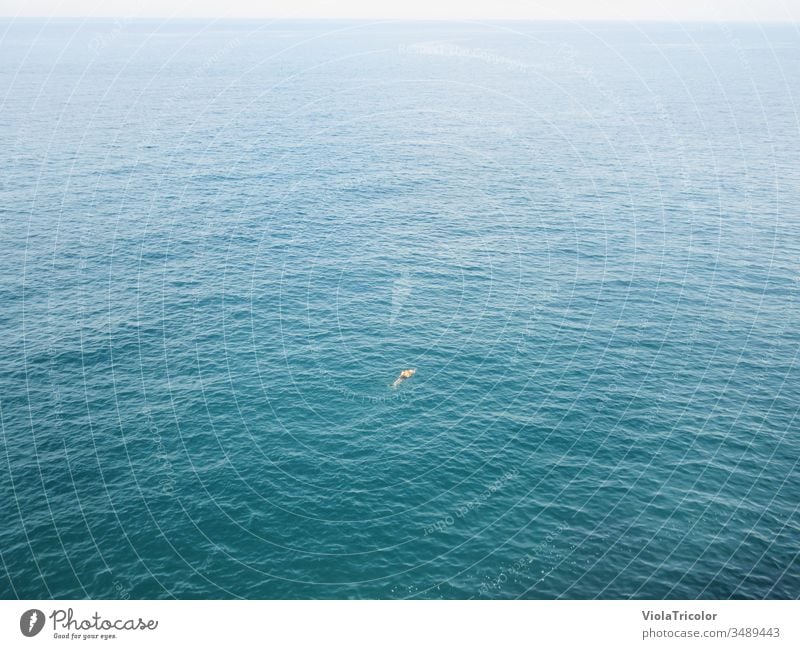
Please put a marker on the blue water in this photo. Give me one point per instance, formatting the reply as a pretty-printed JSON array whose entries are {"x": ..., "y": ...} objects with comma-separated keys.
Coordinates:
[{"x": 221, "y": 242}]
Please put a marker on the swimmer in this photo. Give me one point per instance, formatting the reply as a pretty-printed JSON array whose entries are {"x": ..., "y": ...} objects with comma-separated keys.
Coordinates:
[{"x": 405, "y": 374}]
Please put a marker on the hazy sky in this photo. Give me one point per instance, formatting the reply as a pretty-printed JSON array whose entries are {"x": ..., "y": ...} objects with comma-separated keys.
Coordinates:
[{"x": 712, "y": 10}]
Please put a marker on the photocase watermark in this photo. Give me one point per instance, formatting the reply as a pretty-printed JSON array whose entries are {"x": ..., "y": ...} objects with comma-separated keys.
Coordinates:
[
  {"x": 191, "y": 82},
  {"x": 67, "y": 626},
  {"x": 456, "y": 51},
  {"x": 567, "y": 59},
  {"x": 168, "y": 481},
  {"x": 401, "y": 289},
  {"x": 472, "y": 505},
  {"x": 31, "y": 622},
  {"x": 349, "y": 184},
  {"x": 353, "y": 396},
  {"x": 101, "y": 40},
  {"x": 121, "y": 591},
  {"x": 521, "y": 566},
  {"x": 543, "y": 298}
]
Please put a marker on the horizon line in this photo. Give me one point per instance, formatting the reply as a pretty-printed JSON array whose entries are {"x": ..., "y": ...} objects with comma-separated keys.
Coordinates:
[{"x": 660, "y": 21}]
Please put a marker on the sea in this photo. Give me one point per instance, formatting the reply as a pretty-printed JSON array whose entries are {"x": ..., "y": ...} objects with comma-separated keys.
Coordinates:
[{"x": 222, "y": 241}]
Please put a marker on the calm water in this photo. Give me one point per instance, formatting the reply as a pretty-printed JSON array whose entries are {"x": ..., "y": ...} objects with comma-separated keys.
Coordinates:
[{"x": 220, "y": 244}]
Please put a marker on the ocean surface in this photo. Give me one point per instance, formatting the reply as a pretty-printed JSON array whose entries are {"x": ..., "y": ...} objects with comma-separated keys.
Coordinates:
[{"x": 221, "y": 242}]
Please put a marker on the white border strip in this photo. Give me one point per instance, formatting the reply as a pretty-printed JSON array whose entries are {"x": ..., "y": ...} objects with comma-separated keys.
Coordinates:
[{"x": 376, "y": 624}]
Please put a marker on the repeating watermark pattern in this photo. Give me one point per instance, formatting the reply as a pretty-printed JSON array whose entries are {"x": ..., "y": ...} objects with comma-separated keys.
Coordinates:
[
  {"x": 332, "y": 381},
  {"x": 544, "y": 556},
  {"x": 401, "y": 289},
  {"x": 168, "y": 478},
  {"x": 450, "y": 50},
  {"x": 121, "y": 590},
  {"x": 194, "y": 79},
  {"x": 543, "y": 298},
  {"x": 102, "y": 40},
  {"x": 521, "y": 567},
  {"x": 472, "y": 505},
  {"x": 567, "y": 59}
]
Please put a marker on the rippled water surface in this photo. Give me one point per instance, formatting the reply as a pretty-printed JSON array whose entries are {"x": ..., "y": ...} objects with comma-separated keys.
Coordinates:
[{"x": 220, "y": 244}]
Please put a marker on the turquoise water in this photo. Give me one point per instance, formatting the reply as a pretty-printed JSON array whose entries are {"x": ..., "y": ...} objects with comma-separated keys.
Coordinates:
[{"x": 221, "y": 243}]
